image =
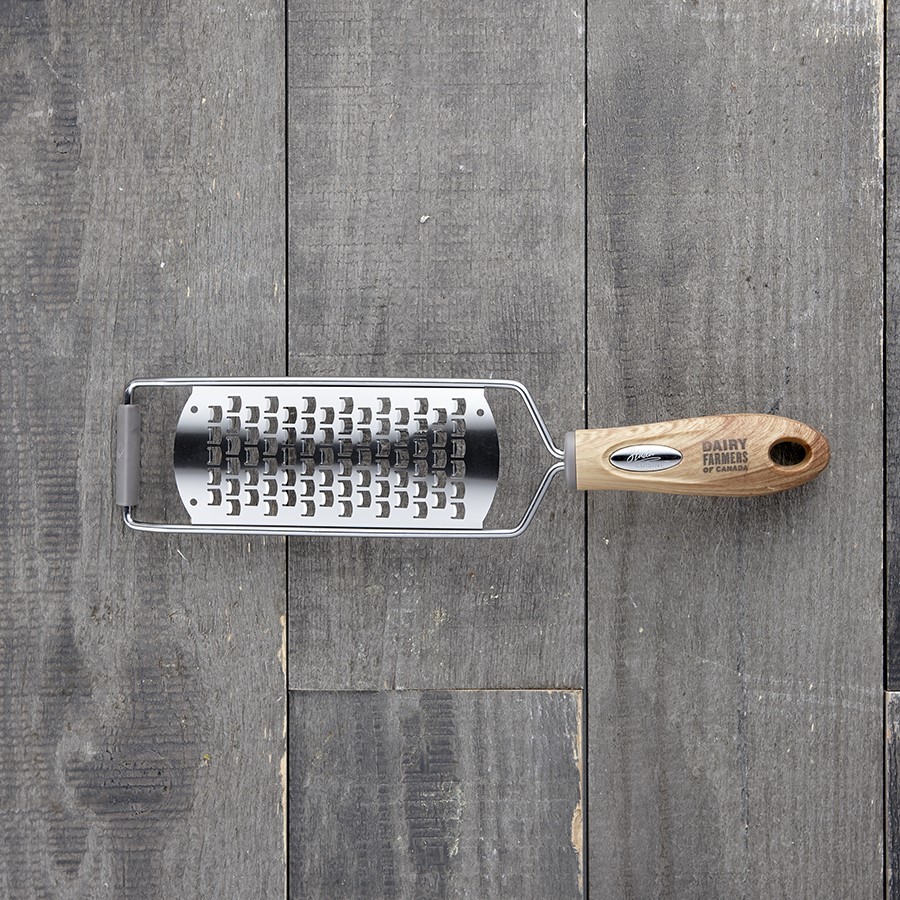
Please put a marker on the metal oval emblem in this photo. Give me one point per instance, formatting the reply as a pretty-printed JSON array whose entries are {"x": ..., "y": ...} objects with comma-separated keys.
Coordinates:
[{"x": 645, "y": 458}]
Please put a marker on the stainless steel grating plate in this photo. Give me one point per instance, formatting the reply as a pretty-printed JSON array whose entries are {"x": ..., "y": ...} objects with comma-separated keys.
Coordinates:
[{"x": 381, "y": 457}]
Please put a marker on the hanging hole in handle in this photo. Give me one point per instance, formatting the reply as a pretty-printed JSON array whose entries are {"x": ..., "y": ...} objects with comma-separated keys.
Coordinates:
[{"x": 788, "y": 453}]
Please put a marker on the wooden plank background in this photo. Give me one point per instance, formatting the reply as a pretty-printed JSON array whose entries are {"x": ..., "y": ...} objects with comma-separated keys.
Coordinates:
[
  {"x": 732, "y": 692},
  {"x": 142, "y": 697},
  {"x": 734, "y": 668},
  {"x": 892, "y": 350},
  {"x": 892, "y": 444},
  {"x": 435, "y": 794},
  {"x": 458, "y": 113}
]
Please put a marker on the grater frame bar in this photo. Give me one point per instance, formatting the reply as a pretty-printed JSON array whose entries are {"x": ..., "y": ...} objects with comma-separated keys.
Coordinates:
[{"x": 557, "y": 467}]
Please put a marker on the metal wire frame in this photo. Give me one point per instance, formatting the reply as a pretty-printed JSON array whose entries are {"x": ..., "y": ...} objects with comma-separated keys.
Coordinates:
[{"x": 334, "y": 531}]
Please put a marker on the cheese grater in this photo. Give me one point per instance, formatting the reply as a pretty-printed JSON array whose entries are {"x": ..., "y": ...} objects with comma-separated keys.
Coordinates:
[{"x": 420, "y": 458}]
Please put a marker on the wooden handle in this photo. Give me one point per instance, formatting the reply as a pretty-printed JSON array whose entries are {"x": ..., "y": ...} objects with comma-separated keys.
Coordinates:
[{"x": 723, "y": 456}]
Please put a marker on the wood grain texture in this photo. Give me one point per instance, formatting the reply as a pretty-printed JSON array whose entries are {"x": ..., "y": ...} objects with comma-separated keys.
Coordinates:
[
  {"x": 892, "y": 344},
  {"x": 892, "y": 794},
  {"x": 405, "y": 794},
  {"x": 734, "y": 207},
  {"x": 436, "y": 229},
  {"x": 141, "y": 232},
  {"x": 721, "y": 456}
]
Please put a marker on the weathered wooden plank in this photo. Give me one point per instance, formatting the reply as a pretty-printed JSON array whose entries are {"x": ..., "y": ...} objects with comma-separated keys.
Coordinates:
[
  {"x": 436, "y": 229},
  {"x": 892, "y": 344},
  {"x": 892, "y": 794},
  {"x": 435, "y": 794},
  {"x": 734, "y": 264},
  {"x": 141, "y": 232}
]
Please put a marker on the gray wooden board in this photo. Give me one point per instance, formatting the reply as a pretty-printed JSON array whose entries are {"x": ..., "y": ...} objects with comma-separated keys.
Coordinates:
[
  {"x": 142, "y": 696},
  {"x": 436, "y": 229},
  {"x": 891, "y": 792},
  {"x": 892, "y": 343},
  {"x": 734, "y": 253},
  {"x": 435, "y": 794}
]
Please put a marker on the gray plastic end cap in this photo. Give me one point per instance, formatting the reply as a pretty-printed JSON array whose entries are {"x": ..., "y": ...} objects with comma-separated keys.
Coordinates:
[
  {"x": 128, "y": 455},
  {"x": 569, "y": 460}
]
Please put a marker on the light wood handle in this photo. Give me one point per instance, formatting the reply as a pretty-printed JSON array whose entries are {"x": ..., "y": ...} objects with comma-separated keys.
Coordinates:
[{"x": 739, "y": 455}]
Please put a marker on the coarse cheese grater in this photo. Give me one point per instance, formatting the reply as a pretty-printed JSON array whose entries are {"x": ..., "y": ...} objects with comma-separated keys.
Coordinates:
[{"x": 420, "y": 458}]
